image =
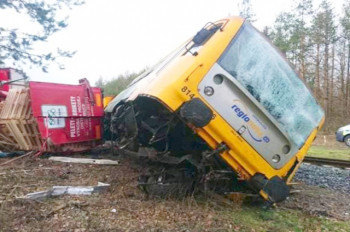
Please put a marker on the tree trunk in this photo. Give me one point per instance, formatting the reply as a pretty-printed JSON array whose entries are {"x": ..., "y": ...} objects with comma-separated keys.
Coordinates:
[
  {"x": 331, "y": 94},
  {"x": 326, "y": 81},
  {"x": 347, "y": 80},
  {"x": 318, "y": 83},
  {"x": 342, "y": 79},
  {"x": 302, "y": 58}
]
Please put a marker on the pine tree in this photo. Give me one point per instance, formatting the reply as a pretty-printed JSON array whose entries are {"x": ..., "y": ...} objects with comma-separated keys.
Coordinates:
[
  {"x": 345, "y": 31},
  {"x": 246, "y": 11},
  {"x": 16, "y": 46}
]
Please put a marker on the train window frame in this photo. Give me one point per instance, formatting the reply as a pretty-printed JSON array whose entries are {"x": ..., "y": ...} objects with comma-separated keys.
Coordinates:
[
  {"x": 202, "y": 37},
  {"x": 253, "y": 61}
]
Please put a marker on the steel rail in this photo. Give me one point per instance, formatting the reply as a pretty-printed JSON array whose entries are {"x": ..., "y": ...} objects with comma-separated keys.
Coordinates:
[{"x": 330, "y": 162}]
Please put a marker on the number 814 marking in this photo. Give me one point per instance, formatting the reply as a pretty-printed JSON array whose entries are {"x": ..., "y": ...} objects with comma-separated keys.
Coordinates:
[{"x": 188, "y": 92}]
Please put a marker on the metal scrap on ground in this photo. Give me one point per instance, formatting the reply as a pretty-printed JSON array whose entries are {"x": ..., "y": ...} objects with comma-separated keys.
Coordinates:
[
  {"x": 70, "y": 190},
  {"x": 84, "y": 160}
]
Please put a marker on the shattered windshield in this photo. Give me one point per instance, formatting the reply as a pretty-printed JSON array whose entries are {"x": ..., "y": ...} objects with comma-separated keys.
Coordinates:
[{"x": 253, "y": 61}]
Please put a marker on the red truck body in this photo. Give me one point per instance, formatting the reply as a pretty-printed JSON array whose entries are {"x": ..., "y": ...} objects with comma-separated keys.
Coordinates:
[{"x": 67, "y": 113}]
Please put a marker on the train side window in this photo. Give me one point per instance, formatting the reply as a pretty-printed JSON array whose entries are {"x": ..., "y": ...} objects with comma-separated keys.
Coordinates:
[{"x": 203, "y": 35}]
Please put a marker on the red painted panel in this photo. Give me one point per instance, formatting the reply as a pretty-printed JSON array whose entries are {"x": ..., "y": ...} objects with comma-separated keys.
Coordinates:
[
  {"x": 65, "y": 113},
  {"x": 4, "y": 76},
  {"x": 76, "y": 129},
  {"x": 74, "y": 97}
]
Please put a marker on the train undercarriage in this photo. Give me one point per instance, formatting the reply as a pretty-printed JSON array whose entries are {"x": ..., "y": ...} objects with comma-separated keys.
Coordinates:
[{"x": 179, "y": 162}]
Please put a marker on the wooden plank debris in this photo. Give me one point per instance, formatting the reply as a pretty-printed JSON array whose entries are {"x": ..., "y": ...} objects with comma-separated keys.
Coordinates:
[
  {"x": 18, "y": 128},
  {"x": 17, "y": 158},
  {"x": 295, "y": 191},
  {"x": 294, "y": 183},
  {"x": 84, "y": 160}
]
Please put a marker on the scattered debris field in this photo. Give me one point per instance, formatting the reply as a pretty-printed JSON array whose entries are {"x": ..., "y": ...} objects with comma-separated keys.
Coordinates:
[{"x": 123, "y": 207}]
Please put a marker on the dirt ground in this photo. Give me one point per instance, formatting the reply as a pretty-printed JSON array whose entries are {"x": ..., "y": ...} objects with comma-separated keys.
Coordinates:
[
  {"x": 329, "y": 141},
  {"x": 319, "y": 201},
  {"x": 125, "y": 208}
]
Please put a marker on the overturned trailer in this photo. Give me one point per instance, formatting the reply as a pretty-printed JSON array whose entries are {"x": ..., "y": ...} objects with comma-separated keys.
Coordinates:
[
  {"x": 222, "y": 111},
  {"x": 48, "y": 117}
]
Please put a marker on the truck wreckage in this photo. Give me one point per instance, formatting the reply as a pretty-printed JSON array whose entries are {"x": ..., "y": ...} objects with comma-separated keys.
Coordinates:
[{"x": 223, "y": 112}]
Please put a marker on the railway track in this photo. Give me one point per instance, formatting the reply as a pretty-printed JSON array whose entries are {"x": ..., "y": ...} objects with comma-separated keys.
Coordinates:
[{"x": 329, "y": 162}]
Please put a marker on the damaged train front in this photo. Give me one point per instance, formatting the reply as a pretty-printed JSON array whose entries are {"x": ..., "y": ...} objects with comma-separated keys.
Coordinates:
[{"x": 223, "y": 112}]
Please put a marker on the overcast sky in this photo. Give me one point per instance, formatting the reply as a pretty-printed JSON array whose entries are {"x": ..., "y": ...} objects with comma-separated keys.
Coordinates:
[{"x": 114, "y": 37}]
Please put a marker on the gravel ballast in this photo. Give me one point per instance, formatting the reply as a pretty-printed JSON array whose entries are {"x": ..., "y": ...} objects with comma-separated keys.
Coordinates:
[{"x": 327, "y": 177}]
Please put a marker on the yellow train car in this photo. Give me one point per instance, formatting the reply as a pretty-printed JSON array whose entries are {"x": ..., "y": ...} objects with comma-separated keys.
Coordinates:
[
  {"x": 226, "y": 105},
  {"x": 107, "y": 100}
]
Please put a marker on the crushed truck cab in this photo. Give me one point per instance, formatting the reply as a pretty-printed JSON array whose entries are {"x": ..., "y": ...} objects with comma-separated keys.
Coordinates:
[{"x": 224, "y": 105}]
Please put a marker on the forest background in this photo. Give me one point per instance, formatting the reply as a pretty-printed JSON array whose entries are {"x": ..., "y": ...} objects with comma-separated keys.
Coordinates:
[{"x": 316, "y": 41}]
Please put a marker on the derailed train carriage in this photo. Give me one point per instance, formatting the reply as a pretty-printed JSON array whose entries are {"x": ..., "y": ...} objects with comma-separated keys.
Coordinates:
[{"x": 223, "y": 111}]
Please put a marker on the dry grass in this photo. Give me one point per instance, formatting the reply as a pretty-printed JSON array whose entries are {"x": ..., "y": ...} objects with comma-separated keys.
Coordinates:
[{"x": 125, "y": 208}]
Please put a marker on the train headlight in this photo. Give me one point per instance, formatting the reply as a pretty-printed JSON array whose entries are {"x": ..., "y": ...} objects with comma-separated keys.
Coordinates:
[
  {"x": 209, "y": 91},
  {"x": 218, "y": 79},
  {"x": 286, "y": 149},
  {"x": 276, "y": 158}
]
